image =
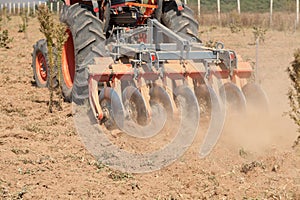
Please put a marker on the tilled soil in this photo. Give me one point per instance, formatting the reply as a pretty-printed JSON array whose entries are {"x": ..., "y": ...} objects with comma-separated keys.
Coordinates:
[{"x": 42, "y": 156}]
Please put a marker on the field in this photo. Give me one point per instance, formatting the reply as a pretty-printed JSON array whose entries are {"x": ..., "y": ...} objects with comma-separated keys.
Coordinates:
[{"x": 42, "y": 157}]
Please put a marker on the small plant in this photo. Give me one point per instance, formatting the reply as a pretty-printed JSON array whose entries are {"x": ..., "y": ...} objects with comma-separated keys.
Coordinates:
[
  {"x": 259, "y": 33},
  {"x": 118, "y": 176},
  {"x": 235, "y": 28},
  {"x": 23, "y": 26},
  {"x": 211, "y": 44},
  {"x": 4, "y": 39},
  {"x": 56, "y": 36},
  {"x": 19, "y": 151},
  {"x": 8, "y": 17},
  {"x": 60, "y": 37},
  {"x": 235, "y": 24},
  {"x": 46, "y": 27},
  {"x": 3, "y": 14},
  {"x": 243, "y": 153},
  {"x": 245, "y": 168},
  {"x": 294, "y": 91}
]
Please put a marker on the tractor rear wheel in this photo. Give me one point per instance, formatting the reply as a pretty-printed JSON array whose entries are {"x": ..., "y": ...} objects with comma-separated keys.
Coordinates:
[
  {"x": 40, "y": 65},
  {"x": 86, "y": 41},
  {"x": 181, "y": 22}
]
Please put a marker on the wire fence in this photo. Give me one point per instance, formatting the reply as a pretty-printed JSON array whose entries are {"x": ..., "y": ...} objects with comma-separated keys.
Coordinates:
[
  {"x": 208, "y": 13},
  {"x": 28, "y": 8}
]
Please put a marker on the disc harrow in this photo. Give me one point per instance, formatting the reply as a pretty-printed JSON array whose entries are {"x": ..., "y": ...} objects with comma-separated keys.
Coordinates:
[
  {"x": 142, "y": 69},
  {"x": 155, "y": 73}
]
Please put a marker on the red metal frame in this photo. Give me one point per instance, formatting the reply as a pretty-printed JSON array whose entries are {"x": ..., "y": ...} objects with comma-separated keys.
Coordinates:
[{"x": 129, "y": 75}]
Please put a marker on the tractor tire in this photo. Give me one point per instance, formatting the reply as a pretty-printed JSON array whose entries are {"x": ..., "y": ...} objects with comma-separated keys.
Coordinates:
[
  {"x": 181, "y": 22},
  {"x": 40, "y": 65},
  {"x": 88, "y": 41}
]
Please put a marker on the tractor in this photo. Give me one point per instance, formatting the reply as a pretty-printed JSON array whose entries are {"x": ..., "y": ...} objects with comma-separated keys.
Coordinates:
[{"x": 122, "y": 57}]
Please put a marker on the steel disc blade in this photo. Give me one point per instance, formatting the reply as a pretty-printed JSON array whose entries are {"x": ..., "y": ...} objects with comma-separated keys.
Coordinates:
[
  {"x": 203, "y": 98},
  {"x": 161, "y": 112},
  {"x": 158, "y": 95},
  {"x": 135, "y": 105},
  {"x": 99, "y": 144},
  {"x": 235, "y": 100},
  {"x": 257, "y": 100},
  {"x": 109, "y": 100},
  {"x": 216, "y": 123}
]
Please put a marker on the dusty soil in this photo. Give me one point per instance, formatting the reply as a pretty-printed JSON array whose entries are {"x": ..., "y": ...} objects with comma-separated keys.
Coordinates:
[{"x": 42, "y": 156}]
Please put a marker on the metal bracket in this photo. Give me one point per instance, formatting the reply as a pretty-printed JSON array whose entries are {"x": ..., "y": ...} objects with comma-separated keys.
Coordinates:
[
  {"x": 207, "y": 70},
  {"x": 95, "y": 7},
  {"x": 135, "y": 64},
  {"x": 179, "y": 4}
]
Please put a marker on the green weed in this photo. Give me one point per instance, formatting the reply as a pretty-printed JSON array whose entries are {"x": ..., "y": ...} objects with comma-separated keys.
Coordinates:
[
  {"x": 119, "y": 176},
  {"x": 259, "y": 33}
]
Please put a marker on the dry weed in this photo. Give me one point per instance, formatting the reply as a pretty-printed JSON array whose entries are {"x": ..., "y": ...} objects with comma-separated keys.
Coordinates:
[{"x": 55, "y": 34}]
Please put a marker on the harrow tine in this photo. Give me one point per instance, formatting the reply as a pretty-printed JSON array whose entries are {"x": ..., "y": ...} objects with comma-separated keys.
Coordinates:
[
  {"x": 216, "y": 122},
  {"x": 256, "y": 98}
]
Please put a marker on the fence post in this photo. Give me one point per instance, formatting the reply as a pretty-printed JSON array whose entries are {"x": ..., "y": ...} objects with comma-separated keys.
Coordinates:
[
  {"x": 14, "y": 8},
  {"x": 256, "y": 59},
  {"x": 57, "y": 7},
  {"x": 199, "y": 8},
  {"x": 271, "y": 12},
  {"x": 297, "y": 12},
  {"x": 28, "y": 8},
  {"x": 39, "y": 3},
  {"x": 219, "y": 10},
  {"x": 6, "y": 9},
  {"x": 239, "y": 6},
  {"x": 33, "y": 8},
  {"x": 51, "y": 6},
  {"x": 9, "y": 8},
  {"x": 23, "y": 8},
  {"x": 19, "y": 8}
]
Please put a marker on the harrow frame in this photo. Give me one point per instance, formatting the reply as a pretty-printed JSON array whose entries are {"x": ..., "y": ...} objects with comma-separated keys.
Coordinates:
[{"x": 151, "y": 57}]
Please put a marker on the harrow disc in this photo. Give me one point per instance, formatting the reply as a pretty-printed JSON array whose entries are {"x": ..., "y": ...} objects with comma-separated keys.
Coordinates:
[
  {"x": 160, "y": 108},
  {"x": 203, "y": 96},
  {"x": 233, "y": 98},
  {"x": 112, "y": 108},
  {"x": 256, "y": 97},
  {"x": 217, "y": 119},
  {"x": 158, "y": 96},
  {"x": 135, "y": 105},
  {"x": 186, "y": 101},
  {"x": 100, "y": 145}
]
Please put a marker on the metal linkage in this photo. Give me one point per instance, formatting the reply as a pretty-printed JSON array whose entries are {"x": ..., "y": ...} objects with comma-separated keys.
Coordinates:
[{"x": 181, "y": 49}]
